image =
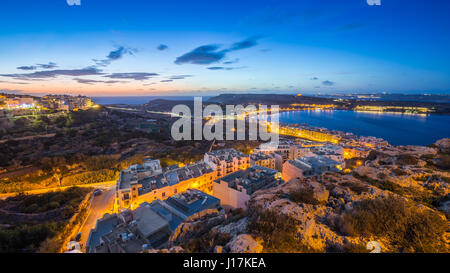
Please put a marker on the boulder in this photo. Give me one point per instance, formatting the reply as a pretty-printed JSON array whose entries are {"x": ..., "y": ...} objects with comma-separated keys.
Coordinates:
[{"x": 244, "y": 243}]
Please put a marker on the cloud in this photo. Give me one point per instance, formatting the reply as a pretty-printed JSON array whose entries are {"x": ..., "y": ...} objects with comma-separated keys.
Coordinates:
[
  {"x": 88, "y": 81},
  {"x": 115, "y": 55},
  {"x": 231, "y": 62},
  {"x": 50, "y": 65},
  {"x": 162, "y": 47},
  {"x": 89, "y": 71},
  {"x": 138, "y": 76},
  {"x": 224, "y": 68},
  {"x": 25, "y": 67},
  {"x": 204, "y": 55},
  {"x": 328, "y": 83},
  {"x": 167, "y": 81},
  {"x": 247, "y": 43},
  {"x": 209, "y": 54},
  {"x": 180, "y": 77},
  {"x": 314, "y": 78}
]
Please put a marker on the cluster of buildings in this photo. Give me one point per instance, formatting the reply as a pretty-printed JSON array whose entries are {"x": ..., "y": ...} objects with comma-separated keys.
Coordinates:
[
  {"x": 150, "y": 225},
  {"x": 152, "y": 201},
  {"x": 55, "y": 102},
  {"x": 150, "y": 182},
  {"x": 66, "y": 102},
  {"x": 393, "y": 109},
  {"x": 17, "y": 102}
]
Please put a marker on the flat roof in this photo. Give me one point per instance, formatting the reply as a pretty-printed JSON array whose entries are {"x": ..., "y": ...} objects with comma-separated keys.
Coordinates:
[{"x": 148, "y": 221}]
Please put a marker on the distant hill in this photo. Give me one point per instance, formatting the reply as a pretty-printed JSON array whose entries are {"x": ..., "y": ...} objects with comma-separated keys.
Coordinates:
[
  {"x": 267, "y": 99},
  {"x": 167, "y": 105}
]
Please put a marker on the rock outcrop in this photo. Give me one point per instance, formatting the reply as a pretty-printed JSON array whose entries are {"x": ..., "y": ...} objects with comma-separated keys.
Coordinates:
[{"x": 244, "y": 243}]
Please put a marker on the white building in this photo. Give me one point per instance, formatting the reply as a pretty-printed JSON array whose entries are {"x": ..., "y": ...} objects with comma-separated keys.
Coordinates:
[
  {"x": 334, "y": 152},
  {"x": 309, "y": 166},
  {"x": 234, "y": 190},
  {"x": 227, "y": 161}
]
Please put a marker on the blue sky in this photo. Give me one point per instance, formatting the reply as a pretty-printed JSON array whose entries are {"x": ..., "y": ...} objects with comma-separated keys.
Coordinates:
[{"x": 119, "y": 47}]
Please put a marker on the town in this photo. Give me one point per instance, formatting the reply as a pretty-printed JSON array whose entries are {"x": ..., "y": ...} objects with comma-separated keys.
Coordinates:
[{"x": 154, "y": 194}]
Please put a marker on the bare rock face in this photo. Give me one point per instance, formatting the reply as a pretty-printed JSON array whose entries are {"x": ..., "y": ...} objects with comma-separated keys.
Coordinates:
[
  {"x": 244, "y": 243},
  {"x": 174, "y": 249},
  {"x": 320, "y": 192},
  {"x": 187, "y": 230},
  {"x": 233, "y": 228},
  {"x": 443, "y": 145}
]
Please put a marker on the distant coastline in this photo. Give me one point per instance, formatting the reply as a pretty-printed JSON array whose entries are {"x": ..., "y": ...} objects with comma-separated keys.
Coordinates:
[{"x": 136, "y": 100}]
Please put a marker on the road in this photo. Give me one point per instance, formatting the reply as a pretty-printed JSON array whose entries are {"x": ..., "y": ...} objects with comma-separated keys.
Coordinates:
[
  {"x": 39, "y": 191},
  {"x": 100, "y": 205}
]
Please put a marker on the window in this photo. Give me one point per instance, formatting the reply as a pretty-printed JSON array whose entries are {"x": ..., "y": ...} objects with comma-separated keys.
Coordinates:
[{"x": 163, "y": 194}]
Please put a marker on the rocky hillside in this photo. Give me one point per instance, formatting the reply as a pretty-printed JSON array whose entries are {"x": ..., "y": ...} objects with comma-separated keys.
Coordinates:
[{"x": 398, "y": 198}]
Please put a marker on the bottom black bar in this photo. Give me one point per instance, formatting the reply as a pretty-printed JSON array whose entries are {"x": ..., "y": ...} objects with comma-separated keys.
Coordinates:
[{"x": 224, "y": 262}]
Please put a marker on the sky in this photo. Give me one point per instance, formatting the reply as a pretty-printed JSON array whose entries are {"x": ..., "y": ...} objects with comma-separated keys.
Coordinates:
[{"x": 131, "y": 47}]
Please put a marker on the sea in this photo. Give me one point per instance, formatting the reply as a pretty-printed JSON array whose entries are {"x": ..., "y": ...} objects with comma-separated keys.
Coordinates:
[{"x": 397, "y": 129}]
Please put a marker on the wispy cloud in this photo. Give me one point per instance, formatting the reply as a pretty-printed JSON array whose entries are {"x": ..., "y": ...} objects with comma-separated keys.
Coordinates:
[
  {"x": 27, "y": 67},
  {"x": 247, "y": 43},
  {"x": 328, "y": 83},
  {"x": 138, "y": 76},
  {"x": 89, "y": 71},
  {"x": 115, "y": 55},
  {"x": 89, "y": 81},
  {"x": 232, "y": 61},
  {"x": 224, "y": 68},
  {"x": 209, "y": 54},
  {"x": 180, "y": 77},
  {"x": 49, "y": 65},
  {"x": 162, "y": 47},
  {"x": 206, "y": 54}
]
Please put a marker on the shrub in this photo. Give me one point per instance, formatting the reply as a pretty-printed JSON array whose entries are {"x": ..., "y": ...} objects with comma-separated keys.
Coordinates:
[
  {"x": 304, "y": 195},
  {"x": 407, "y": 160},
  {"x": 207, "y": 242},
  {"x": 407, "y": 227},
  {"x": 356, "y": 187},
  {"x": 399, "y": 172},
  {"x": 278, "y": 231},
  {"x": 25, "y": 238}
]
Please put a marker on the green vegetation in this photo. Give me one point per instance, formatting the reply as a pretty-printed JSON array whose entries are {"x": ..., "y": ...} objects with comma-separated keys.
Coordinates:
[
  {"x": 356, "y": 187},
  {"x": 26, "y": 238},
  {"x": 304, "y": 195},
  {"x": 381, "y": 184},
  {"x": 29, "y": 220},
  {"x": 278, "y": 231},
  {"x": 206, "y": 242},
  {"x": 406, "y": 226},
  {"x": 90, "y": 177}
]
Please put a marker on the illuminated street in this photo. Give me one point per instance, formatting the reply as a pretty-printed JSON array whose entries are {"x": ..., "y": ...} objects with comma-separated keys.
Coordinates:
[{"x": 101, "y": 204}]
